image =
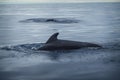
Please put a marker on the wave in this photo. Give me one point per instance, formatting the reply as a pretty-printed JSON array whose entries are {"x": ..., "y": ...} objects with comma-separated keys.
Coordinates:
[
  {"x": 107, "y": 54},
  {"x": 23, "y": 47},
  {"x": 36, "y": 46},
  {"x": 33, "y": 49},
  {"x": 50, "y": 20}
]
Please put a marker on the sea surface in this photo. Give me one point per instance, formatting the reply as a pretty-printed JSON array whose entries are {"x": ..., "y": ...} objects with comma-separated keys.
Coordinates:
[{"x": 24, "y": 27}]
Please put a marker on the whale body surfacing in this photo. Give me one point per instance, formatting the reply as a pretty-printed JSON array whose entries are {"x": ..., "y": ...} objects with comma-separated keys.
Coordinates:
[{"x": 53, "y": 43}]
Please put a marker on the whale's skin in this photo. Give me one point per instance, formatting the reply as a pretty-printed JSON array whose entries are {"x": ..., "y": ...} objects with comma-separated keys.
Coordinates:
[{"x": 57, "y": 44}]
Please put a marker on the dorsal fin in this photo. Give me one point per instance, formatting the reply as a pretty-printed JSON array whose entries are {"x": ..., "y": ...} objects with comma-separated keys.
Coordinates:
[{"x": 52, "y": 38}]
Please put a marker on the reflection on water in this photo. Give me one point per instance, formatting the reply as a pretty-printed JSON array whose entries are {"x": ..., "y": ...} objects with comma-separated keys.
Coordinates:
[{"x": 99, "y": 24}]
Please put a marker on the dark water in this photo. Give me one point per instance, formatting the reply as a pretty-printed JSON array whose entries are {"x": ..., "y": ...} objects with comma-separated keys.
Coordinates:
[{"x": 23, "y": 27}]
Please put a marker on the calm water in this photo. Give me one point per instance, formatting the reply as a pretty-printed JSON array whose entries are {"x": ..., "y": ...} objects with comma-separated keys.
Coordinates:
[{"x": 97, "y": 23}]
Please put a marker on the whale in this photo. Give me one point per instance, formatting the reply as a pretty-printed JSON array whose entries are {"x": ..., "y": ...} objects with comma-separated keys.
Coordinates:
[
  {"x": 50, "y": 20},
  {"x": 53, "y": 43}
]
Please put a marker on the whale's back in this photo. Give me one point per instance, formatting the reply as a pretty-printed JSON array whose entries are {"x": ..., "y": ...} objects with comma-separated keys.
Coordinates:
[
  {"x": 66, "y": 45},
  {"x": 56, "y": 44}
]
